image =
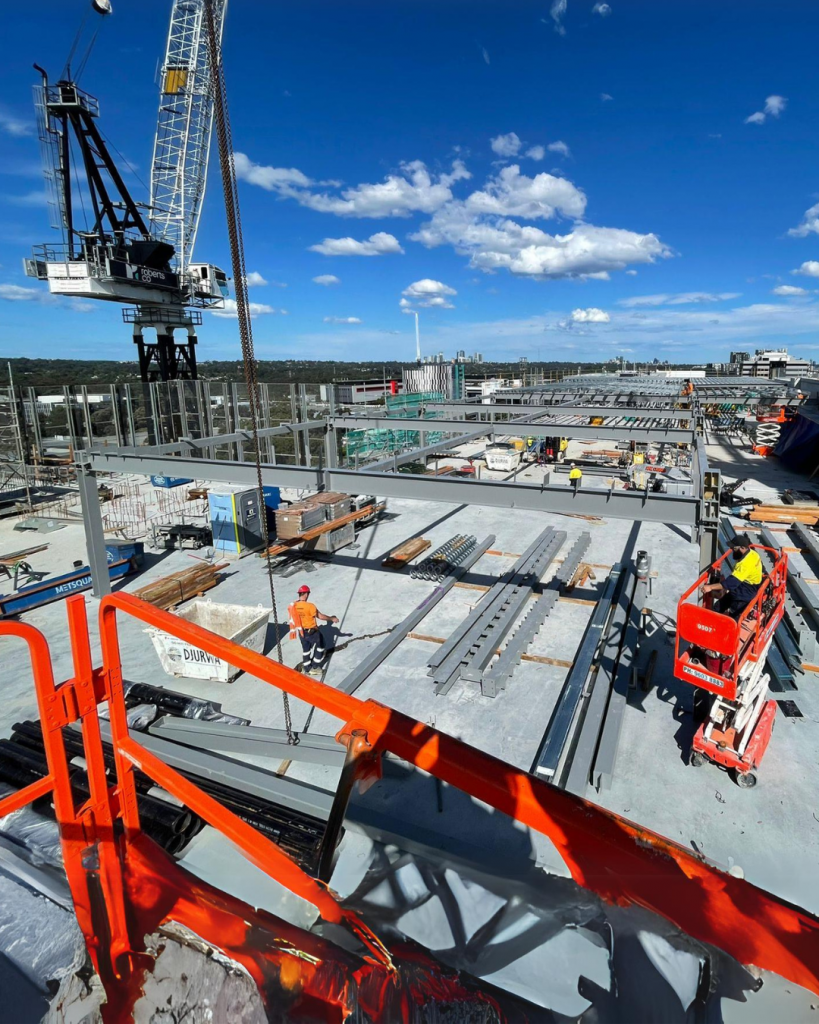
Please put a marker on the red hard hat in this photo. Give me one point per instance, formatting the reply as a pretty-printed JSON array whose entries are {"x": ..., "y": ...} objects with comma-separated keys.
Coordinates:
[{"x": 303, "y": 589}]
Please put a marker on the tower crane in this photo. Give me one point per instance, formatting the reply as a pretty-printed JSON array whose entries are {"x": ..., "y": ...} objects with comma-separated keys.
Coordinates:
[{"x": 126, "y": 251}]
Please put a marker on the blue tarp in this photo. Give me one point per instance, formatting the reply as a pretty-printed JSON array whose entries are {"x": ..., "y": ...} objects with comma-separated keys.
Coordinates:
[{"x": 798, "y": 447}]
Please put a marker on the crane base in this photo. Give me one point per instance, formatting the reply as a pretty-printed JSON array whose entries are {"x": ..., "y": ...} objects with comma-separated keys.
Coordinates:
[{"x": 719, "y": 749}]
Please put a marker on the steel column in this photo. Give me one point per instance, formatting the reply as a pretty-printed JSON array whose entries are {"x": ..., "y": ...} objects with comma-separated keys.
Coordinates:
[{"x": 94, "y": 532}]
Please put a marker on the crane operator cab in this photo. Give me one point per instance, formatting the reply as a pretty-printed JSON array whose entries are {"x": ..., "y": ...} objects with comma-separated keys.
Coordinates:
[
  {"x": 208, "y": 283},
  {"x": 724, "y": 656}
]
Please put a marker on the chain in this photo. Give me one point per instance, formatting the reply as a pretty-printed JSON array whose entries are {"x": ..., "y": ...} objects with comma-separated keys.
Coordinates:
[{"x": 234, "y": 226}]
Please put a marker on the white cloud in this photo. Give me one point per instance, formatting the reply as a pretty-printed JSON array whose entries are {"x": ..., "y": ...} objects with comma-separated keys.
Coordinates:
[
  {"x": 16, "y": 293},
  {"x": 810, "y": 268},
  {"x": 254, "y": 279},
  {"x": 230, "y": 312},
  {"x": 809, "y": 225},
  {"x": 414, "y": 189},
  {"x": 12, "y": 125},
  {"x": 512, "y": 194},
  {"x": 774, "y": 105},
  {"x": 273, "y": 179},
  {"x": 605, "y": 97},
  {"x": 592, "y": 315},
  {"x": 677, "y": 299},
  {"x": 557, "y": 10},
  {"x": 326, "y": 279},
  {"x": 427, "y": 294},
  {"x": 379, "y": 244},
  {"x": 342, "y": 320},
  {"x": 485, "y": 55},
  {"x": 788, "y": 289},
  {"x": 632, "y": 273},
  {"x": 35, "y": 198},
  {"x": 559, "y": 147},
  {"x": 535, "y": 152},
  {"x": 506, "y": 145},
  {"x": 604, "y": 10}
]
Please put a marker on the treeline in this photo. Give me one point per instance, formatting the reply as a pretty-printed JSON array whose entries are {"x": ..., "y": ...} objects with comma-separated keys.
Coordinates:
[{"x": 97, "y": 372}]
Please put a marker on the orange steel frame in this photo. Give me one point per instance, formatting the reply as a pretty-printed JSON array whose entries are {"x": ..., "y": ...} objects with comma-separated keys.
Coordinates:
[{"x": 612, "y": 857}]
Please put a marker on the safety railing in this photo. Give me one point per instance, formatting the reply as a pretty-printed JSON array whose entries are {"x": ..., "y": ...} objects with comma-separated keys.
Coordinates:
[{"x": 604, "y": 853}]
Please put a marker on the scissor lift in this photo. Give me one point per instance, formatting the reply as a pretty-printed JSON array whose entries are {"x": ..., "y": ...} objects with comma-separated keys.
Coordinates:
[{"x": 725, "y": 657}]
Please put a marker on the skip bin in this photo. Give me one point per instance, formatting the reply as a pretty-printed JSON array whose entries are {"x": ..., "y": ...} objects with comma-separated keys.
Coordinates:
[{"x": 243, "y": 624}]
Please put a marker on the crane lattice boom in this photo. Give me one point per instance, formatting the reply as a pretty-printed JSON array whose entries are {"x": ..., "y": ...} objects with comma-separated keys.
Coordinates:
[{"x": 180, "y": 161}]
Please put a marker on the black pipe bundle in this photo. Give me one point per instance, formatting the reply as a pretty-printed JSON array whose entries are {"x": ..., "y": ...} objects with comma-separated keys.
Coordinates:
[{"x": 298, "y": 834}]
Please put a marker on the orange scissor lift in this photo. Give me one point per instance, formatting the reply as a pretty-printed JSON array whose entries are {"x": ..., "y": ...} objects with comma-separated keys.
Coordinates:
[
  {"x": 124, "y": 886},
  {"x": 726, "y": 658}
]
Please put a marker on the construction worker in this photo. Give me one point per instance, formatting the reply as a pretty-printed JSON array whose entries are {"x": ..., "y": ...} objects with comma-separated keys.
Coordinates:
[
  {"x": 740, "y": 588},
  {"x": 575, "y": 476},
  {"x": 304, "y": 618}
]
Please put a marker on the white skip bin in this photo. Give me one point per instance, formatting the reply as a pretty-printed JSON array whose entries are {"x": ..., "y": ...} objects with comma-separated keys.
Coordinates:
[{"x": 237, "y": 622}]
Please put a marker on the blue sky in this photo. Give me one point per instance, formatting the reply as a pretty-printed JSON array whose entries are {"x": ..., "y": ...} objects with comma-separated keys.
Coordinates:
[{"x": 568, "y": 180}]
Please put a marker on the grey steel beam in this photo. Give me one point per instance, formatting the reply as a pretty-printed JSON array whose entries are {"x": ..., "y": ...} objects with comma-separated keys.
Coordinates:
[
  {"x": 554, "y": 739},
  {"x": 249, "y": 739},
  {"x": 495, "y": 678},
  {"x": 606, "y": 758},
  {"x": 419, "y": 454},
  {"x": 472, "y": 409},
  {"x": 370, "y": 663},
  {"x": 806, "y": 598},
  {"x": 639, "y": 506},
  {"x": 809, "y": 538},
  {"x": 468, "y": 631},
  {"x": 94, "y": 532},
  {"x": 577, "y": 769},
  {"x": 498, "y": 627},
  {"x": 578, "y": 431},
  {"x": 245, "y": 778}
]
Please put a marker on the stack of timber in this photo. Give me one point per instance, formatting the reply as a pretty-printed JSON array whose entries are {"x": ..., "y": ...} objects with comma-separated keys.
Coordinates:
[
  {"x": 172, "y": 590},
  {"x": 784, "y": 514},
  {"x": 403, "y": 555}
]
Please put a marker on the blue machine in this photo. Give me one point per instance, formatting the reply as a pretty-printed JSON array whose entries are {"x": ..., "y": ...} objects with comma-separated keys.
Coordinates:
[
  {"x": 131, "y": 550},
  {"x": 170, "y": 481},
  {"x": 235, "y": 519},
  {"x": 57, "y": 588}
]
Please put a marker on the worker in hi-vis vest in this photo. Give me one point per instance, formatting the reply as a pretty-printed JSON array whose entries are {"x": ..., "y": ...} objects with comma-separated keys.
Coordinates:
[
  {"x": 304, "y": 618},
  {"x": 575, "y": 476}
]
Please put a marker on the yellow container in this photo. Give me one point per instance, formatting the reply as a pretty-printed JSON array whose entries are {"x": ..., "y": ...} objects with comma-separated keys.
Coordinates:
[{"x": 518, "y": 442}]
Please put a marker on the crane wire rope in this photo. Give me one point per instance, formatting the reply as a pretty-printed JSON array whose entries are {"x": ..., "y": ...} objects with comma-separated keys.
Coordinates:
[{"x": 234, "y": 226}]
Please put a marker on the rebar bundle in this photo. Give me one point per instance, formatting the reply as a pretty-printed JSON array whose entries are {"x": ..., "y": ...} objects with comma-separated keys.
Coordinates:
[{"x": 444, "y": 559}]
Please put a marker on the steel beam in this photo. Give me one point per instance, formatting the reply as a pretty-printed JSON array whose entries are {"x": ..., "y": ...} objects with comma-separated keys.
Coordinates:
[
  {"x": 472, "y": 409},
  {"x": 809, "y": 538},
  {"x": 370, "y": 663},
  {"x": 94, "y": 532},
  {"x": 577, "y": 771},
  {"x": 249, "y": 739},
  {"x": 638, "y": 506},
  {"x": 606, "y": 756},
  {"x": 577, "y": 431},
  {"x": 245, "y": 778},
  {"x": 495, "y": 678},
  {"x": 554, "y": 739}
]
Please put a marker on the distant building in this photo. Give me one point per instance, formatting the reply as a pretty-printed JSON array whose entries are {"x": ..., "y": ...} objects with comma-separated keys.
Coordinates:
[
  {"x": 357, "y": 392},
  {"x": 771, "y": 363},
  {"x": 446, "y": 378},
  {"x": 740, "y": 357}
]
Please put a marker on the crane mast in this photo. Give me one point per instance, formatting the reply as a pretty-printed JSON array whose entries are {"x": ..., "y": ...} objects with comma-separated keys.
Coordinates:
[{"x": 182, "y": 145}]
